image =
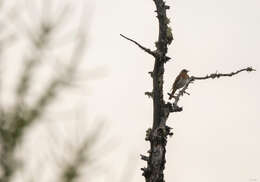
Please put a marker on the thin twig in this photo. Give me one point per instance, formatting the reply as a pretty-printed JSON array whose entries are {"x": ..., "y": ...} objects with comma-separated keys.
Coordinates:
[
  {"x": 217, "y": 75},
  {"x": 142, "y": 47}
]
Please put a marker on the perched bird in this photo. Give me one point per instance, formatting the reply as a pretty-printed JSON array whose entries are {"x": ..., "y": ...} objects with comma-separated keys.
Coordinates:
[{"x": 179, "y": 82}]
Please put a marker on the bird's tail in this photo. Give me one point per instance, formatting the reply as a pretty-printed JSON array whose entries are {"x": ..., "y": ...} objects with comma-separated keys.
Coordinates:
[{"x": 172, "y": 94}]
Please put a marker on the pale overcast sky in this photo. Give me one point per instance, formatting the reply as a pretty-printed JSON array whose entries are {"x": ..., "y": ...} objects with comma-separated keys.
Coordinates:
[{"x": 216, "y": 137}]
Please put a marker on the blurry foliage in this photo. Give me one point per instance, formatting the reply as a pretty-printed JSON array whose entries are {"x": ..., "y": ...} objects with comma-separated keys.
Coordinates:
[
  {"x": 21, "y": 115},
  {"x": 71, "y": 169}
]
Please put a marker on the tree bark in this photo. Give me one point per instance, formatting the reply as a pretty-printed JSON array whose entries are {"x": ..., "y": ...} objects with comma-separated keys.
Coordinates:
[{"x": 157, "y": 136}]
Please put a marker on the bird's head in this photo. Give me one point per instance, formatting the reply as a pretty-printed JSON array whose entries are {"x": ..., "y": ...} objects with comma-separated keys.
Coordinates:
[{"x": 185, "y": 71}]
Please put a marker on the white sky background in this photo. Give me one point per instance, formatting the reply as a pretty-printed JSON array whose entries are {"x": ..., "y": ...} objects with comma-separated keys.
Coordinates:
[{"x": 216, "y": 137}]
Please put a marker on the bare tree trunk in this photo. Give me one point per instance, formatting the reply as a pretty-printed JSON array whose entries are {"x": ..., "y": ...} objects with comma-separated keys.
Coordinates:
[{"x": 159, "y": 132}]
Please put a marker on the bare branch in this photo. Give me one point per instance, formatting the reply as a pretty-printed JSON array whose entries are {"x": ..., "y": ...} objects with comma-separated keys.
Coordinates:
[
  {"x": 145, "y": 158},
  {"x": 151, "y": 73},
  {"x": 142, "y": 47},
  {"x": 212, "y": 76},
  {"x": 149, "y": 94},
  {"x": 217, "y": 75}
]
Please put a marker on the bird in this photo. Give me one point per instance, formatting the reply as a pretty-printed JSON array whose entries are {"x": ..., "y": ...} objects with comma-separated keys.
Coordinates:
[{"x": 179, "y": 82}]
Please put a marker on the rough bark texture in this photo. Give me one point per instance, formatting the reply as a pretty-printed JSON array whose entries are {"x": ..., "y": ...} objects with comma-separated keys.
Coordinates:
[{"x": 157, "y": 136}]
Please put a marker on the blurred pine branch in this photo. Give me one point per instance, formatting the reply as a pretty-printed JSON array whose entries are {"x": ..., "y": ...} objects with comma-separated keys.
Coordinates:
[{"x": 16, "y": 119}]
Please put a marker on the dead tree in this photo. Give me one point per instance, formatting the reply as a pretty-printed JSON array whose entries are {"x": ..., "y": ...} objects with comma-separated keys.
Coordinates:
[{"x": 158, "y": 134}]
